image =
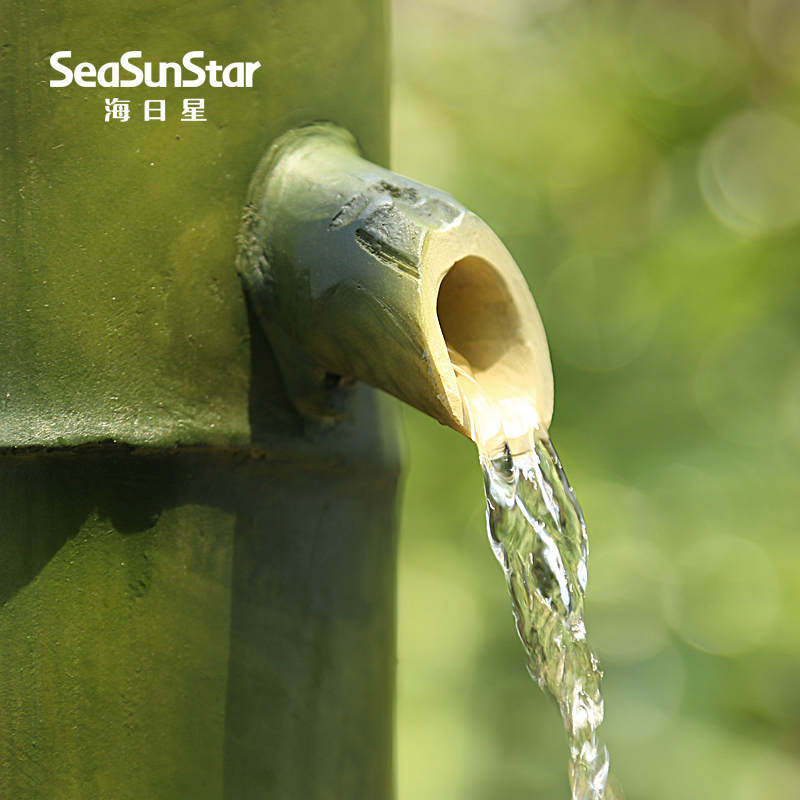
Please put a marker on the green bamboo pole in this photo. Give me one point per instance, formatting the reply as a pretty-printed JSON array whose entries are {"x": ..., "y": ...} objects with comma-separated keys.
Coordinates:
[{"x": 197, "y": 584}]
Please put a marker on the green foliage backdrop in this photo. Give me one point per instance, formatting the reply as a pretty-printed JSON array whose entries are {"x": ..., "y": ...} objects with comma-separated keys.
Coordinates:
[{"x": 642, "y": 162}]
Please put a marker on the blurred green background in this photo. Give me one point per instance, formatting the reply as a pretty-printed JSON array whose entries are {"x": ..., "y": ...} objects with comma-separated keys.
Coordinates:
[{"x": 642, "y": 162}]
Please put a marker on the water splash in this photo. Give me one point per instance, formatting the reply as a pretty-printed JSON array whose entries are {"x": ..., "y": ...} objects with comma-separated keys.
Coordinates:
[{"x": 538, "y": 535}]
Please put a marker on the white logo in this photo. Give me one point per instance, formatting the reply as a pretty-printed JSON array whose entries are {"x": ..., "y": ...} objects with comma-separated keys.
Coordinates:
[
  {"x": 118, "y": 109},
  {"x": 193, "y": 110},
  {"x": 238, "y": 74},
  {"x": 155, "y": 109}
]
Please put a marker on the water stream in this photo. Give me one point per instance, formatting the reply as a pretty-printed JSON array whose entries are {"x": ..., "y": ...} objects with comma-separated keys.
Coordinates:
[{"x": 538, "y": 535}]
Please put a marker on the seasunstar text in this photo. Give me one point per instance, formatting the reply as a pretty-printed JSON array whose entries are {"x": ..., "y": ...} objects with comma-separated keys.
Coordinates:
[{"x": 236, "y": 74}]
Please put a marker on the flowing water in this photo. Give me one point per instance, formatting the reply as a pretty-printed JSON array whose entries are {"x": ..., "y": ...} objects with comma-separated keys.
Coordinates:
[{"x": 538, "y": 535}]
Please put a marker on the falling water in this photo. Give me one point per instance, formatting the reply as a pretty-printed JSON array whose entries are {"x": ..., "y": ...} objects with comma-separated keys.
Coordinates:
[{"x": 538, "y": 535}]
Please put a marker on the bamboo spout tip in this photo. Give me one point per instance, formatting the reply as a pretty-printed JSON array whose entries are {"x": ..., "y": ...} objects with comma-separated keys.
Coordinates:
[
  {"x": 361, "y": 272},
  {"x": 492, "y": 352}
]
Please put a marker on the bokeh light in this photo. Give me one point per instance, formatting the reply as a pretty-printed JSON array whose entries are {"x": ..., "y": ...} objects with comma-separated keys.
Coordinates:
[
  {"x": 602, "y": 310},
  {"x": 750, "y": 171}
]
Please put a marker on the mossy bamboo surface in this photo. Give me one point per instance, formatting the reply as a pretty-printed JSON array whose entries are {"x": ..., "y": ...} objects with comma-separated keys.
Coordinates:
[{"x": 197, "y": 585}]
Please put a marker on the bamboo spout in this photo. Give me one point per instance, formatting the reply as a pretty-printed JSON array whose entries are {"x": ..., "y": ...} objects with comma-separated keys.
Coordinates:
[{"x": 358, "y": 272}]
